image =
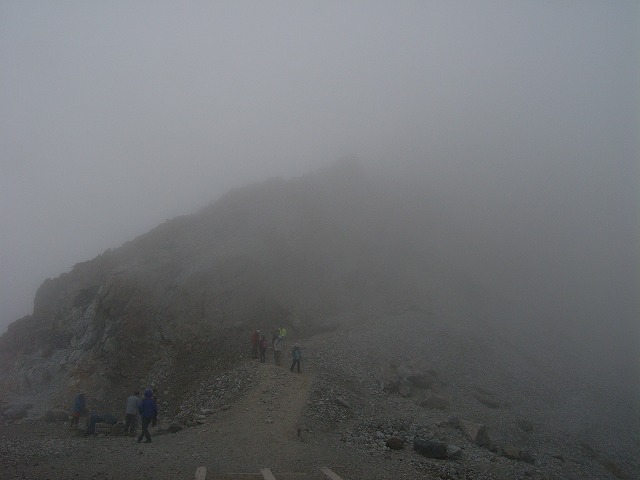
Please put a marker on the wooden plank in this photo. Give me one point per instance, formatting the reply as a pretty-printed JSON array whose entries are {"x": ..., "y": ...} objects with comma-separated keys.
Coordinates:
[
  {"x": 330, "y": 474},
  {"x": 266, "y": 473},
  {"x": 201, "y": 473}
]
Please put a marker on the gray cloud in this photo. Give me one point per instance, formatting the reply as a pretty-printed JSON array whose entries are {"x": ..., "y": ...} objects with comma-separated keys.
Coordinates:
[{"x": 115, "y": 116}]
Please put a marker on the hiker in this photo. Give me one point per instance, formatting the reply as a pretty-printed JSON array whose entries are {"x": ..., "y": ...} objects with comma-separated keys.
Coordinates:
[
  {"x": 255, "y": 339},
  {"x": 149, "y": 413},
  {"x": 282, "y": 332},
  {"x": 277, "y": 349},
  {"x": 263, "y": 348},
  {"x": 296, "y": 355},
  {"x": 131, "y": 413},
  {"x": 274, "y": 338},
  {"x": 78, "y": 408}
]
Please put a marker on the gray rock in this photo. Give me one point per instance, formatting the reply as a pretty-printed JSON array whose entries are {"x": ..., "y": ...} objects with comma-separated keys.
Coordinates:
[
  {"x": 510, "y": 451},
  {"x": 430, "y": 448},
  {"x": 476, "y": 432},
  {"x": 395, "y": 443},
  {"x": 418, "y": 373},
  {"x": 453, "y": 452},
  {"x": 516, "y": 453}
]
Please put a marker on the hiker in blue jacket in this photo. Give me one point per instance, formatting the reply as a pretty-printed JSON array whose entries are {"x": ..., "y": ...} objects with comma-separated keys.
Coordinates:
[
  {"x": 149, "y": 413},
  {"x": 296, "y": 355},
  {"x": 79, "y": 408}
]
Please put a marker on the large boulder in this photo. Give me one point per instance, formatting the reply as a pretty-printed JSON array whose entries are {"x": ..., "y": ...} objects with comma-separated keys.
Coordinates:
[{"x": 430, "y": 448}]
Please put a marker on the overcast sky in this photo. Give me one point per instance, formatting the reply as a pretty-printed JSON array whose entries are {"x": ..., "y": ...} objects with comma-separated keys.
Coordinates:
[{"x": 117, "y": 115}]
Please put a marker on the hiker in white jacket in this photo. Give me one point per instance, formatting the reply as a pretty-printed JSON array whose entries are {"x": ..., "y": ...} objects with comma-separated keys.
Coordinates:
[{"x": 132, "y": 414}]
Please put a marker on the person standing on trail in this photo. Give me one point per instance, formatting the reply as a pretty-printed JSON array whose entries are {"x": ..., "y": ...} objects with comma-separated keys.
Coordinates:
[
  {"x": 296, "y": 355},
  {"x": 78, "y": 408},
  {"x": 255, "y": 339},
  {"x": 149, "y": 412},
  {"x": 277, "y": 349},
  {"x": 263, "y": 348},
  {"x": 131, "y": 413}
]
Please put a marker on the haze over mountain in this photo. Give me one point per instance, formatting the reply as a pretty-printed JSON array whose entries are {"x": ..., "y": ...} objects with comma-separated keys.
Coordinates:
[
  {"x": 347, "y": 241},
  {"x": 117, "y": 116}
]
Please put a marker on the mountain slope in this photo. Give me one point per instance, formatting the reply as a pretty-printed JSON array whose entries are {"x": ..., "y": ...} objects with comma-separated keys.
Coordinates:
[
  {"x": 296, "y": 252},
  {"x": 372, "y": 277}
]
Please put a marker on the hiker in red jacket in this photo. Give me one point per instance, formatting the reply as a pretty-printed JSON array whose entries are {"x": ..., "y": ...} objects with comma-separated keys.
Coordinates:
[
  {"x": 263, "y": 349},
  {"x": 255, "y": 338}
]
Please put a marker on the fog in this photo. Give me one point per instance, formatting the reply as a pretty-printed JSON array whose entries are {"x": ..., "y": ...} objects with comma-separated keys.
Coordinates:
[{"x": 519, "y": 119}]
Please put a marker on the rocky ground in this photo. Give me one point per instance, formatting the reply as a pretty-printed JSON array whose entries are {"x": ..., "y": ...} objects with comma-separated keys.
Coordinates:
[{"x": 364, "y": 398}]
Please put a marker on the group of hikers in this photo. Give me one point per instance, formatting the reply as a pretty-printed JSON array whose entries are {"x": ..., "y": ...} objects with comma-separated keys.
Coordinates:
[
  {"x": 146, "y": 408},
  {"x": 259, "y": 345}
]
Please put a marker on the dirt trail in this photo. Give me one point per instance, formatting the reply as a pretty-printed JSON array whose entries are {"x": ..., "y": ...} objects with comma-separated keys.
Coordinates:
[
  {"x": 262, "y": 428},
  {"x": 269, "y": 416},
  {"x": 259, "y": 431}
]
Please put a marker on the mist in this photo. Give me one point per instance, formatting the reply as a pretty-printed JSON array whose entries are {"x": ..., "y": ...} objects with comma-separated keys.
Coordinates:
[{"x": 518, "y": 123}]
